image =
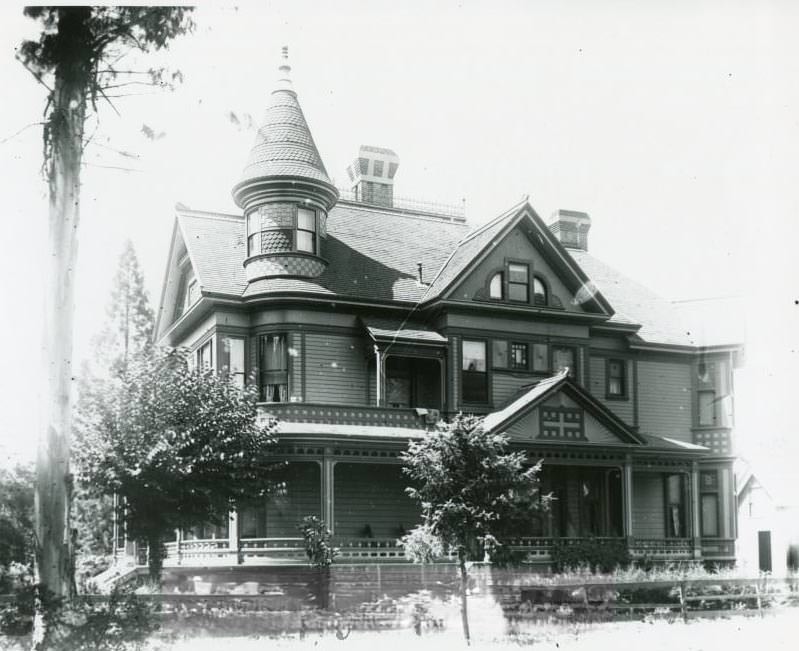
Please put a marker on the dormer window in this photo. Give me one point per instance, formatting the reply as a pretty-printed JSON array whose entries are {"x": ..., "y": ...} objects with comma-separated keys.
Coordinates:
[
  {"x": 306, "y": 230},
  {"x": 518, "y": 282},
  {"x": 539, "y": 292},
  {"x": 495, "y": 286}
]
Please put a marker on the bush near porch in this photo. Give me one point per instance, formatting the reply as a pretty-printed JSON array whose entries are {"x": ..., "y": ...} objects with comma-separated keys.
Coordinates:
[{"x": 596, "y": 554}]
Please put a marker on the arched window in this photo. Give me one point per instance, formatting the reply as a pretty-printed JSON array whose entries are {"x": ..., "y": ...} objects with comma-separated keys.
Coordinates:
[
  {"x": 495, "y": 286},
  {"x": 539, "y": 291}
]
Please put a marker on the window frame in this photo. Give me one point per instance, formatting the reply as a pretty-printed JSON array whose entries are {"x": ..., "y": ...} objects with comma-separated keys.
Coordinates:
[
  {"x": 199, "y": 354},
  {"x": 513, "y": 283},
  {"x": 501, "y": 276},
  {"x": 714, "y": 408},
  {"x": 262, "y": 339},
  {"x": 525, "y": 348},
  {"x": 485, "y": 373},
  {"x": 539, "y": 280},
  {"x": 237, "y": 378},
  {"x": 623, "y": 393},
  {"x": 298, "y": 230},
  {"x": 713, "y": 490},
  {"x": 573, "y": 371}
]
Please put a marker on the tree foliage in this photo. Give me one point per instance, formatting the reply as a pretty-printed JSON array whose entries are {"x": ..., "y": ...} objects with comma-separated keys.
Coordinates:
[
  {"x": 181, "y": 447},
  {"x": 473, "y": 492},
  {"x": 16, "y": 521}
]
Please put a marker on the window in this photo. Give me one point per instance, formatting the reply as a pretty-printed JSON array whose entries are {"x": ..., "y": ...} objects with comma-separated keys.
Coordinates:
[
  {"x": 306, "y": 230},
  {"x": 563, "y": 357},
  {"x": 204, "y": 355},
  {"x": 518, "y": 282},
  {"x": 539, "y": 291},
  {"x": 617, "y": 378},
  {"x": 540, "y": 358},
  {"x": 707, "y": 407},
  {"x": 231, "y": 359},
  {"x": 495, "y": 286},
  {"x": 253, "y": 233},
  {"x": 709, "y": 502},
  {"x": 474, "y": 375},
  {"x": 518, "y": 356},
  {"x": 500, "y": 353},
  {"x": 273, "y": 354}
]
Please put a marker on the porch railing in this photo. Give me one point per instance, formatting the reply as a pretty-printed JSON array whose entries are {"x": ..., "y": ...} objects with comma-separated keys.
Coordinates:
[{"x": 266, "y": 551}]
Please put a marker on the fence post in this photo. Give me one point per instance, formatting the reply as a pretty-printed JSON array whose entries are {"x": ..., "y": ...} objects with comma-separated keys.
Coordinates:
[{"x": 683, "y": 606}]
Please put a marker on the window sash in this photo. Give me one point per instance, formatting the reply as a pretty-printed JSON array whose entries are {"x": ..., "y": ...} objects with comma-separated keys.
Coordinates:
[
  {"x": 617, "y": 380},
  {"x": 306, "y": 241},
  {"x": 563, "y": 357},
  {"x": 232, "y": 359},
  {"x": 475, "y": 386},
  {"x": 474, "y": 356},
  {"x": 539, "y": 292},
  {"x": 706, "y": 403},
  {"x": 495, "y": 286},
  {"x": 518, "y": 357}
]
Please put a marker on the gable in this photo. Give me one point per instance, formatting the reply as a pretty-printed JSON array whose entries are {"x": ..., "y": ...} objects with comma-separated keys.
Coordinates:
[
  {"x": 517, "y": 246},
  {"x": 175, "y": 292},
  {"x": 524, "y": 238},
  {"x": 560, "y": 419}
]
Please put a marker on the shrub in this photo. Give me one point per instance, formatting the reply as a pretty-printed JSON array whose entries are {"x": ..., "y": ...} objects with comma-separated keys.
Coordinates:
[
  {"x": 318, "y": 541},
  {"x": 597, "y": 555}
]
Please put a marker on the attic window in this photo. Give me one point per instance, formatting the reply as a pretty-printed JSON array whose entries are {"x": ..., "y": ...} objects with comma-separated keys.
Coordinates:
[
  {"x": 518, "y": 282},
  {"x": 495, "y": 286}
]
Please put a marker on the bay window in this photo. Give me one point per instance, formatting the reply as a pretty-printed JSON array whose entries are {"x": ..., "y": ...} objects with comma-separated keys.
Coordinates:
[
  {"x": 231, "y": 359},
  {"x": 273, "y": 365}
]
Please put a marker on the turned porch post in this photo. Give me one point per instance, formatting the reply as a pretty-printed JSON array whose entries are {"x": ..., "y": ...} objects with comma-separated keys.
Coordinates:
[
  {"x": 328, "y": 469},
  {"x": 627, "y": 495},
  {"x": 233, "y": 531},
  {"x": 695, "y": 510}
]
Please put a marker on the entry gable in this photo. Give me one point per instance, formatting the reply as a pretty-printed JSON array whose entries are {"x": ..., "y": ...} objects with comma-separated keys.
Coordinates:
[
  {"x": 557, "y": 410},
  {"x": 521, "y": 242}
]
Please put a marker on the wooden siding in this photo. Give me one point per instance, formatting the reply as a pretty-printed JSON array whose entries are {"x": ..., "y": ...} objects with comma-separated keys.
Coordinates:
[
  {"x": 597, "y": 385},
  {"x": 664, "y": 399},
  {"x": 335, "y": 369},
  {"x": 373, "y": 495},
  {"x": 301, "y": 496},
  {"x": 648, "y": 508},
  {"x": 506, "y": 385}
]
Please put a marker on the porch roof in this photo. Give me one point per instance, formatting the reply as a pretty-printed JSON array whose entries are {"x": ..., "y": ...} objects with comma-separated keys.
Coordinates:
[
  {"x": 349, "y": 431},
  {"x": 392, "y": 330}
]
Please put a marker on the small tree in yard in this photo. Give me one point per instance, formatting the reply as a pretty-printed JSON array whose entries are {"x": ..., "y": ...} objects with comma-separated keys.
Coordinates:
[
  {"x": 472, "y": 491},
  {"x": 182, "y": 447}
]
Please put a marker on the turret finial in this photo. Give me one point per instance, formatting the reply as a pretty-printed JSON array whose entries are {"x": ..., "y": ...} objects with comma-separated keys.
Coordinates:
[{"x": 284, "y": 78}]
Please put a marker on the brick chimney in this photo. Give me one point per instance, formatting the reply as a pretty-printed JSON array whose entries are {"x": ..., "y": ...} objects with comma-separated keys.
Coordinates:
[
  {"x": 372, "y": 175},
  {"x": 571, "y": 228}
]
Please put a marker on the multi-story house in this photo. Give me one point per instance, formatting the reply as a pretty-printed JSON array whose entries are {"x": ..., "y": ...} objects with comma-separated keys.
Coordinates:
[{"x": 365, "y": 319}]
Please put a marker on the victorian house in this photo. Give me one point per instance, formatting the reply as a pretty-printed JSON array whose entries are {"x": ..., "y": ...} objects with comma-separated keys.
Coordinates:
[{"x": 365, "y": 319}]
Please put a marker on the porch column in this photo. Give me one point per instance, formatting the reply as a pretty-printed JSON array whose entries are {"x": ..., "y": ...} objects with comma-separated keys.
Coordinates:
[
  {"x": 695, "y": 510},
  {"x": 627, "y": 495},
  {"x": 378, "y": 376},
  {"x": 233, "y": 531},
  {"x": 178, "y": 540},
  {"x": 328, "y": 466}
]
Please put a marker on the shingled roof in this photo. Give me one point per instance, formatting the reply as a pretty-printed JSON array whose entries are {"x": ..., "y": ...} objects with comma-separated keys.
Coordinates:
[{"x": 373, "y": 254}]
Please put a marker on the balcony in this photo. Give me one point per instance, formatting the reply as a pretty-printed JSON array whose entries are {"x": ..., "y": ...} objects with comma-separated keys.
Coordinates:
[{"x": 354, "y": 416}]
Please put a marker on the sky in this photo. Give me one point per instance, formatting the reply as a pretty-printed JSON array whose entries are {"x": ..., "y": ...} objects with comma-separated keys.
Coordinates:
[{"x": 674, "y": 125}]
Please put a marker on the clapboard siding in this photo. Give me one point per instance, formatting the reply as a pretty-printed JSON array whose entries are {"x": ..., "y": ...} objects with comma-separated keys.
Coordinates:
[
  {"x": 664, "y": 399},
  {"x": 335, "y": 369},
  {"x": 301, "y": 496},
  {"x": 505, "y": 385},
  {"x": 373, "y": 495},
  {"x": 648, "y": 518},
  {"x": 624, "y": 409}
]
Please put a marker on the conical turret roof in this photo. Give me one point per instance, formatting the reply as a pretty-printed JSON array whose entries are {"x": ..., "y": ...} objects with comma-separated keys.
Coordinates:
[{"x": 284, "y": 146}]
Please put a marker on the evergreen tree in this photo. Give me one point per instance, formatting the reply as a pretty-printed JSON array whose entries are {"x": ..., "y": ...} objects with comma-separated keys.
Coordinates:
[{"x": 76, "y": 58}]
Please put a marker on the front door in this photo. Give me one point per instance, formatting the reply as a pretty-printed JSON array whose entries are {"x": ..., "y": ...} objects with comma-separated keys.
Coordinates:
[{"x": 764, "y": 550}]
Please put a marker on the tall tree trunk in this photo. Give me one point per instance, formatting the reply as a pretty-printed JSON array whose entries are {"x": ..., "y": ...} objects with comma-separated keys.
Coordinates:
[
  {"x": 64, "y": 146},
  {"x": 155, "y": 558},
  {"x": 464, "y": 588}
]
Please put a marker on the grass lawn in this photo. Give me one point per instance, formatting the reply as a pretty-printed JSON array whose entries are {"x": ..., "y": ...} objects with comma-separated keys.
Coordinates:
[{"x": 775, "y": 631}]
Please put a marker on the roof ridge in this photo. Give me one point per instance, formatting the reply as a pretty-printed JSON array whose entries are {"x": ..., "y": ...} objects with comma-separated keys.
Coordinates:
[
  {"x": 471, "y": 235},
  {"x": 403, "y": 212}
]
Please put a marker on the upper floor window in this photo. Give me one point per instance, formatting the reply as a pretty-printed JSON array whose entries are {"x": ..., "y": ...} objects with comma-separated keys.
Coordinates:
[
  {"x": 518, "y": 282},
  {"x": 205, "y": 356},
  {"x": 539, "y": 291},
  {"x": 474, "y": 374},
  {"x": 306, "y": 230},
  {"x": 564, "y": 357},
  {"x": 540, "y": 358},
  {"x": 496, "y": 286},
  {"x": 518, "y": 356},
  {"x": 280, "y": 228},
  {"x": 714, "y": 393},
  {"x": 617, "y": 378},
  {"x": 231, "y": 358},
  {"x": 274, "y": 368},
  {"x": 707, "y": 406}
]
